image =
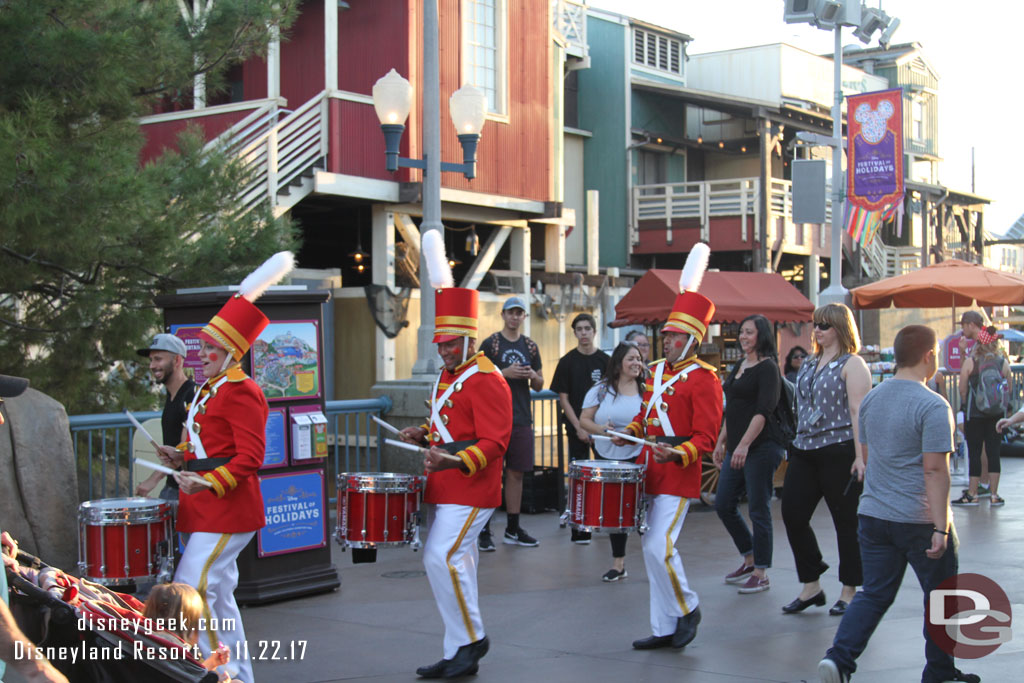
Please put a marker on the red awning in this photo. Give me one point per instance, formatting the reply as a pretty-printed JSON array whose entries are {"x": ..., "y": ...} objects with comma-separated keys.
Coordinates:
[{"x": 735, "y": 295}]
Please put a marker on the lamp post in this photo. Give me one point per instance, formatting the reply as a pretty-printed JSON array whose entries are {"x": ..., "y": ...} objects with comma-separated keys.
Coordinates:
[
  {"x": 392, "y": 99},
  {"x": 833, "y": 15}
]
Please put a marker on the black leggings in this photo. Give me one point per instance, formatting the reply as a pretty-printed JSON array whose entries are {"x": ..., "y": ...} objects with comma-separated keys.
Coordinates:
[{"x": 978, "y": 431}]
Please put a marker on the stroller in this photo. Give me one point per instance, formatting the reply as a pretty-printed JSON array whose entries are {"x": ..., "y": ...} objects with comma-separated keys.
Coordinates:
[{"x": 91, "y": 634}]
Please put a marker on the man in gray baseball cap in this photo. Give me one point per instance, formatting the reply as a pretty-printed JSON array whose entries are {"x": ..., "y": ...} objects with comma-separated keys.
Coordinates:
[
  {"x": 165, "y": 342},
  {"x": 166, "y": 355}
]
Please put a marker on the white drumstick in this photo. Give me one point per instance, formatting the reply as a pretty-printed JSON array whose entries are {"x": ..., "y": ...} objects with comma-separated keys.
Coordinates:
[
  {"x": 391, "y": 428},
  {"x": 168, "y": 470},
  {"x": 138, "y": 425},
  {"x": 627, "y": 437},
  {"x": 418, "y": 449}
]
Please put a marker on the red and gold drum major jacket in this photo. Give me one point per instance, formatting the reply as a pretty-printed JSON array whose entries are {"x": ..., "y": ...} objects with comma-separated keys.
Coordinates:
[
  {"x": 693, "y": 406},
  {"x": 477, "y": 409},
  {"x": 231, "y": 424}
]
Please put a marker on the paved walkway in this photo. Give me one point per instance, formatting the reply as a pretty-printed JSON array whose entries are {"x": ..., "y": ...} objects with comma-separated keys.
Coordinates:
[{"x": 550, "y": 618}]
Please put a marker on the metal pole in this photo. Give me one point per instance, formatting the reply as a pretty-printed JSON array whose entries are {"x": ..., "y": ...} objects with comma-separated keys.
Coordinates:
[
  {"x": 835, "y": 292},
  {"x": 427, "y": 361}
]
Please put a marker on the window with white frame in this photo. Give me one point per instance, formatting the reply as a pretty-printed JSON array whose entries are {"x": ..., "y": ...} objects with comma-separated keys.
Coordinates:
[
  {"x": 484, "y": 61},
  {"x": 917, "y": 119},
  {"x": 657, "y": 51}
]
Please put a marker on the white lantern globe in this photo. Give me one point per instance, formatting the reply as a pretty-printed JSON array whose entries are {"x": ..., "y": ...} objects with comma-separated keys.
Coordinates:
[{"x": 392, "y": 98}]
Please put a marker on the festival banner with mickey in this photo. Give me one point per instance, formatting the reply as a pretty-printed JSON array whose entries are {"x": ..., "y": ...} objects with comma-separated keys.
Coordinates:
[{"x": 874, "y": 153}]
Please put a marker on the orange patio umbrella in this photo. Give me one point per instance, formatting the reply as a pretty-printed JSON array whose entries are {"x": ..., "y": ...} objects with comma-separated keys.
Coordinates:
[{"x": 950, "y": 283}]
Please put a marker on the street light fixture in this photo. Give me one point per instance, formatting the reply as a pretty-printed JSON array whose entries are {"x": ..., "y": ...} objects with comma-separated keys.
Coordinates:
[
  {"x": 392, "y": 99},
  {"x": 824, "y": 13}
]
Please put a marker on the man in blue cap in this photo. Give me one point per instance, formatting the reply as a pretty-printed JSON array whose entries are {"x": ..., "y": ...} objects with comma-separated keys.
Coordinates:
[
  {"x": 518, "y": 358},
  {"x": 166, "y": 355}
]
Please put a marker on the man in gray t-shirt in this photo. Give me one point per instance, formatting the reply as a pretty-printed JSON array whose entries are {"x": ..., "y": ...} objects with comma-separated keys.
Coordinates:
[
  {"x": 900, "y": 420},
  {"x": 906, "y": 434}
]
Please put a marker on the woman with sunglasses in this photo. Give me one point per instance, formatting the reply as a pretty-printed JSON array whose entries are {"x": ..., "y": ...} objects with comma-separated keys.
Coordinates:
[
  {"x": 794, "y": 359},
  {"x": 612, "y": 403},
  {"x": 823, "y": 460}
]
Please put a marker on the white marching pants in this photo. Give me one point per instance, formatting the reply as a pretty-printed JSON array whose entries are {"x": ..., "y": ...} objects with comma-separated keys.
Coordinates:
[
  {"x": 450, "y": 557},
  {"x": 209, "y": 565},
  {"x": 671, "y": 596}
]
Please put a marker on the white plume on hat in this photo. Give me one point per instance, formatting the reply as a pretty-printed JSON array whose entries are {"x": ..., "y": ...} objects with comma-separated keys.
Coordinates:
[
  {"x": 437, "y": 262},
  {"x": 271, "y": 272},
  {"x": 693, "y": 271}
]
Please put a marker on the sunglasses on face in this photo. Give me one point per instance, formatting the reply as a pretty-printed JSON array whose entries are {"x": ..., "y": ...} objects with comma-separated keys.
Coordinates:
[
  {"x": 799, "y": 356},
  {"x": 823, "y": 326}
]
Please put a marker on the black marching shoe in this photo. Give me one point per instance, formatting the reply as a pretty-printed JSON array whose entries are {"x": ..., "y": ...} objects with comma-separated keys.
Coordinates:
[
  {"x": 433, "y": 670},
  {"x": 652, "y": 642},
  {"x": 799, "y": 605},
  {"x": 686, "y": 629},
  {"x": 465, "y": 661}
]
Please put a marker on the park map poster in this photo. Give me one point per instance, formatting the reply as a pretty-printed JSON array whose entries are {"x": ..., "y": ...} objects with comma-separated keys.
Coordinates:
[{"x": 286, "y": 360}]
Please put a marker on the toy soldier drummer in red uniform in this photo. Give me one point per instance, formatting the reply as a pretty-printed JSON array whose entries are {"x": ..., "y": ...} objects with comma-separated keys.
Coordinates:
[
  {"x": 682, "y": 413},
  {"x": 467, "y": 434},
  {"x": 225, "y": 426}
]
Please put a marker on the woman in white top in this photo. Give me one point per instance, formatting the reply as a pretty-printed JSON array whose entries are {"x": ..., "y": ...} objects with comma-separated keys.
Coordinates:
[{"x": 613, "y": 403}]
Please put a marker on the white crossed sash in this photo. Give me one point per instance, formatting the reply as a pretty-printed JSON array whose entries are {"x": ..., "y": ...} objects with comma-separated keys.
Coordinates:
[
  {"x": 659, "y": 389},
  {"x": 193, "y": 436},
  {"x": 438, "y": 403}
]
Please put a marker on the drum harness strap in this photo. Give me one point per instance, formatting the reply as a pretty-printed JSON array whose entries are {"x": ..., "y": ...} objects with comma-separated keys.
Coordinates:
[
  {"x": 438, "y": 403},
  {"x": 659, "y": 389},
  {"x": 193, "y": 435}
]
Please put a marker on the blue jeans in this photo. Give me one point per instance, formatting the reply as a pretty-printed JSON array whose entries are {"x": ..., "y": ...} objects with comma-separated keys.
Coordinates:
[
  {"x": 756, "y": 477},
  {"x": 886, "y": 548}
]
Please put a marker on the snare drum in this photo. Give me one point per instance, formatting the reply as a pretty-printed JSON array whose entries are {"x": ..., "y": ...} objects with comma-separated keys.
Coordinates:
[
  {"x": 378, "y": 509},
  {"x": 605, "y": 496},
  {"x": 120, "y": 539}
]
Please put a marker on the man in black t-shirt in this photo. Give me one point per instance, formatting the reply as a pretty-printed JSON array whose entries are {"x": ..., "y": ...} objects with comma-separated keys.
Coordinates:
[
  {"x": 576, "y": 372},
  {"x": 167, "y": 364},
  {"x": 518, "y": 358}
]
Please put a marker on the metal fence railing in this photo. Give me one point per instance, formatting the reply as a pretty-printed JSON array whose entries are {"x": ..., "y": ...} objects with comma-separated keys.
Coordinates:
[
  {"x": 951, "y": 380},
  {"x": 103, "y": 443}
]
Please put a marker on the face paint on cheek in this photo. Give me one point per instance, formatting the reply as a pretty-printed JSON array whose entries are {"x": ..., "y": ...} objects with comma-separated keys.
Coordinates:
[
  {"x": 212, "y": 357},
  {"x": 678, "y": 344}
]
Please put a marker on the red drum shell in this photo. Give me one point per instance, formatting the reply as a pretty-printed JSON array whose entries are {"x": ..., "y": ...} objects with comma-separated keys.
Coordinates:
[
  {"x": 118, "y": 538},
  {"x": 377, "y": 508},
  {"x": 605, "y": 495}
]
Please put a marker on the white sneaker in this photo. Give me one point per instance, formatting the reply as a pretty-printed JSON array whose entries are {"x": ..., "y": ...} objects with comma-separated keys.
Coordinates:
[{"x": 829, "y": 672}]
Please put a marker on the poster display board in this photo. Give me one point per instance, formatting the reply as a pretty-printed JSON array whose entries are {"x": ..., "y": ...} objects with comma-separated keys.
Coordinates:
[
  {"x": 286, "y": 360},
  {"x": 294, "y": 505}
]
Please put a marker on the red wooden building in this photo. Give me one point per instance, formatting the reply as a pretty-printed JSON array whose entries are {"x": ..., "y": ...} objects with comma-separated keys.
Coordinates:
[{"x": 303, "y": 119}]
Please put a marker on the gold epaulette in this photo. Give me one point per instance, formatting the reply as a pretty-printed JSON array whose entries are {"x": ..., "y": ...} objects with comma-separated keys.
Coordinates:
[
  {"x": 706, "y": 366},
  {"x": 485, "y": 364},
  {"x": 236, "y": 374}
]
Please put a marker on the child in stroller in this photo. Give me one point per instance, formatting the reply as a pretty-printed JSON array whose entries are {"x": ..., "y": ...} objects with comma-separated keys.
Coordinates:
[
  {"x": 91, "y": 634},
  {"x": 174, "y": 610}
]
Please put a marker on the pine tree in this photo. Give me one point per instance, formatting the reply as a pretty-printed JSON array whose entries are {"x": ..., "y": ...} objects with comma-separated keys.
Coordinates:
[{"x": 89, "y": 235}]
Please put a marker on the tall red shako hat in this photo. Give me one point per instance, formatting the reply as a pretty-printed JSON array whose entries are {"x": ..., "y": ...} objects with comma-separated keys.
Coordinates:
[
  {"x": 692, "y": 312},
  {"x": 455, "y": 308},
  {"x": 238, "y": 323}
]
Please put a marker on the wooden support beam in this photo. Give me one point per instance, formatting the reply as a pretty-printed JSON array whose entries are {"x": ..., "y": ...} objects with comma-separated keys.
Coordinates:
[{"x": 486, "y": 257}]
